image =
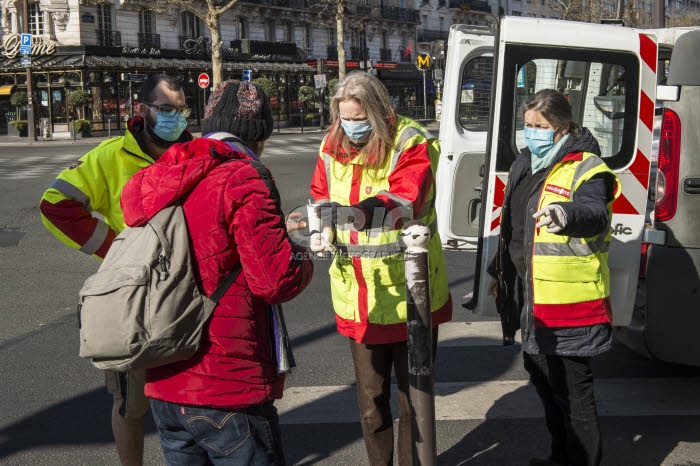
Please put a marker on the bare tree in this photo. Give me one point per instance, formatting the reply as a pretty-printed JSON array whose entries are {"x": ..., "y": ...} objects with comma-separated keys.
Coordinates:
[
  {"x": 210, "y": 12},
  {"x": 635, "y": 14},
  {"x": 343, "y": 15}
]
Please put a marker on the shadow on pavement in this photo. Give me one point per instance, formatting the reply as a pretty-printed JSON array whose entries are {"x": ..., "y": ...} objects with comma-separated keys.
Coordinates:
[{"x": 82, "y": 420}]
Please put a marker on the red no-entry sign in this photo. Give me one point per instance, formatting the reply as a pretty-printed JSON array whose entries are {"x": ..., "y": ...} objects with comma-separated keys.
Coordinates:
[{"x": 203, "y": 80}]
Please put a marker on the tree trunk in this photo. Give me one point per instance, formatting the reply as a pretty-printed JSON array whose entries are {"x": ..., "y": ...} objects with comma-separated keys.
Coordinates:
[
  {"x": 216, "y": 52},
  {"x": 340, "y": 37}
]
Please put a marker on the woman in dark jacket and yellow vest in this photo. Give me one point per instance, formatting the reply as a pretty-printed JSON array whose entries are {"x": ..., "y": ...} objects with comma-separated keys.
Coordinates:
[{"x": 551, "y": 270}]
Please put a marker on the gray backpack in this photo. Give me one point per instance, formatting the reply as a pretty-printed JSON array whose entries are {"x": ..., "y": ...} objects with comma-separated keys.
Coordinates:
[{"x": 143, "y": 307}]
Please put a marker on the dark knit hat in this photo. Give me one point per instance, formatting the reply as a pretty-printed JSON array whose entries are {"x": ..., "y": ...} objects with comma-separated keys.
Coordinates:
[{"x": 239, "y": 108}]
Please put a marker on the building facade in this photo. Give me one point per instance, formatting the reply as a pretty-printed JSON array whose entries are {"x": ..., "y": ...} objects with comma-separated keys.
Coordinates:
[{"x": 108, "y": 47}]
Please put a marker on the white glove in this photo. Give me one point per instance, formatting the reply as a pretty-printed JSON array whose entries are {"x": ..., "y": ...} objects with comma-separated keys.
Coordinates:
[{"x": 554, "y": 218}]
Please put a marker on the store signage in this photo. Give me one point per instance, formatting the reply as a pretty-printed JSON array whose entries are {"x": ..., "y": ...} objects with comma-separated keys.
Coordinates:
[
  {"x": 142, "y": 51},
  {"x": 240, "y": 50},
  {"x": 386, "y": 65},
  {"x": 88, "y": 18},
  {"x": 12, "y": 45},
  {"x": 335, "y": 64},
  {"x": 203, "y": 80},
  {"x": 134, "y": 77}
]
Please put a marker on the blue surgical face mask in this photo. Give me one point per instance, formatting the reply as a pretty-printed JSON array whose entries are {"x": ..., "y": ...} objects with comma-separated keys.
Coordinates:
[
  {"x": 539, "y": 140},
  {"x": 169, "y": 127},
  {"x": 357, "y": 131}
]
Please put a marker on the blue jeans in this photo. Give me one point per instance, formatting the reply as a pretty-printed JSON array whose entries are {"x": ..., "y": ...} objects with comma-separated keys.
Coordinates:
[{"x": 192, "y": 435}]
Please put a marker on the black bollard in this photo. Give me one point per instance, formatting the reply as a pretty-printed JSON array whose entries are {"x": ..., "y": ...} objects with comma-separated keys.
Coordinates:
[{"x": 420, "y": 343}]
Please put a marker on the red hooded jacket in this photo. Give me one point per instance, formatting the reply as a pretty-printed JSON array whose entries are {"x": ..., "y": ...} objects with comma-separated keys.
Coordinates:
[{"x": 233, "y": 214}]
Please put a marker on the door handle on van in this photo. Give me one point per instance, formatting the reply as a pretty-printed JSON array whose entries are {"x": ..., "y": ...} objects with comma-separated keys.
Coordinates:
[{"x": 691, "y": 185}]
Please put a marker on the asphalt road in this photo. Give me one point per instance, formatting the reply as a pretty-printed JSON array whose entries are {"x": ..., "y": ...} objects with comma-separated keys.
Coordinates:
[{"x": 55, "y": 410}]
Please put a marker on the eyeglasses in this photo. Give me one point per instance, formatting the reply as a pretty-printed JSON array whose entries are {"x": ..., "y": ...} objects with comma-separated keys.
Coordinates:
[{"x": 170, "y": 110}]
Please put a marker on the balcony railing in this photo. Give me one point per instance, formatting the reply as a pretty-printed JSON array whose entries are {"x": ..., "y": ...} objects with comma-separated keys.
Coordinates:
[
  {"x": 385, "y": 55},
  {"x": 109, "y": 38},
  {"x": 429, "y": 35},
  {"x": 358, "y": 53},
  {"x": 400, "y": 14},
  {"x": 148, "y": 39},
  {"x": 473, "y": 5},
  {"x": 332, "y": 52}
]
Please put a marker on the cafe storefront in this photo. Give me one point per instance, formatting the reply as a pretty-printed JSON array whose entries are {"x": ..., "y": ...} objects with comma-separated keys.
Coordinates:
[{"x": 113, "y": 76}]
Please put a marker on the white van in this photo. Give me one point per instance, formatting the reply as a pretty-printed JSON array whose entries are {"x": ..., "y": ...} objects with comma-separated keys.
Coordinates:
[{"x": 611, "y": 76}]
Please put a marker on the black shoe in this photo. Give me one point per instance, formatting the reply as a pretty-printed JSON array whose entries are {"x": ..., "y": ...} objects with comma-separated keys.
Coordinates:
[{"x": 544, "y": 462}]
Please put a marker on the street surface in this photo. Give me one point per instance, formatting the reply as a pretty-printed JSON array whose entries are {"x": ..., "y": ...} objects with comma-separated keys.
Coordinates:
[{"x": 55, "y": 410}]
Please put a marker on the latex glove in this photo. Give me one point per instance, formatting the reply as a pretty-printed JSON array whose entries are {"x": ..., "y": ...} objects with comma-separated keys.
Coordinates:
[
  {"x": 332, "y": 213},
  {"x": 554, "y": 218}
]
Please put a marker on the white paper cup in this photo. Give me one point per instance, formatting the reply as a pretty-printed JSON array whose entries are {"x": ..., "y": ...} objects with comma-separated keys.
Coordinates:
[{"x": 314, "y": 220}]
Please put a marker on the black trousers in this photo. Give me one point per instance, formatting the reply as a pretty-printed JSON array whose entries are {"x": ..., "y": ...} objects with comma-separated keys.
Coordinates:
[{"x": 565, "y": 386}]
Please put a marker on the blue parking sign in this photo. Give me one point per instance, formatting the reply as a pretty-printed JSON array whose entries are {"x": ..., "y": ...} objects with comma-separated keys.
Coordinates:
[
  {"x": 25, "y": 47},
  {"x": 246, "y": 75}
]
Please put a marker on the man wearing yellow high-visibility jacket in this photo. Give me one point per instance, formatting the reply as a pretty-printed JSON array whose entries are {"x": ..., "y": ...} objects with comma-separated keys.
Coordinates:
[
  {"x": 94, "y": 183},
  {"x": 378, "y": 168}
]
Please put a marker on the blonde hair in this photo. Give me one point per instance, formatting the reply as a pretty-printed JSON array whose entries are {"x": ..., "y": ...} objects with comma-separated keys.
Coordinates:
[{"x": 372, "y": 96}]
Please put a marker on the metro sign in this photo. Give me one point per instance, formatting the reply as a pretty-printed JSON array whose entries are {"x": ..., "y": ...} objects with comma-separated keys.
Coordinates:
[
  {"x": 203, "y": 80},
  {"x": 423, "y": 61}
]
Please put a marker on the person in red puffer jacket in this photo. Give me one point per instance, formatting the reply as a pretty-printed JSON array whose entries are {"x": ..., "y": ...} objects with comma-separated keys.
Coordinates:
[{"x": 218, "y": 406}]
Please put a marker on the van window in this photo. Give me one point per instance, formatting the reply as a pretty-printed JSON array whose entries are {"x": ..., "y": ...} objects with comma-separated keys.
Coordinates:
[
  {"x": 599, "y": 87},
  {"x": 475, "y": 94}
]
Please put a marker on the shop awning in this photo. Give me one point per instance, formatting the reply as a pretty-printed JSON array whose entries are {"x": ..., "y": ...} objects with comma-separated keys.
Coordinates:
[
  {"x": 6, "y": 90},
  {"x": 81, "y": 61}
]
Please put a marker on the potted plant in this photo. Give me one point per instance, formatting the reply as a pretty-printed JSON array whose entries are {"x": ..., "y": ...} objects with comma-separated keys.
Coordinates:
[
  {"x": 267, "y": 85},
  {"x": 20, "y": 126},
  {"x": 19, "y": 99},
  {"x": 82, "y": 127},
  {"x": 77, "y": 100}
]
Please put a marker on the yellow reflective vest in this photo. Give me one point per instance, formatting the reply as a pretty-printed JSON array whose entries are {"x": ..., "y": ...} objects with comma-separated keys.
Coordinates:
[
  {"x": 570, "y": 276},
  {"x": 93, "y": 183},
  {"x": 368, "y": 284}
]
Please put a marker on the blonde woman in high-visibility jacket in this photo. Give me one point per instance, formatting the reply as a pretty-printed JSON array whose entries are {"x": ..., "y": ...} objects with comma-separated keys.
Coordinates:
[
  {"x": 375, "y": 171},
  {"x": 551, "y": 272},
  {"x": 94, "y": 183}
]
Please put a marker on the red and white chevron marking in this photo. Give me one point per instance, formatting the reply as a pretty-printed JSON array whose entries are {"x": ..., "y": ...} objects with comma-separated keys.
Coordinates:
[
  {"x": 498, "y": 195},
  {"x": 635, "y": 178}
]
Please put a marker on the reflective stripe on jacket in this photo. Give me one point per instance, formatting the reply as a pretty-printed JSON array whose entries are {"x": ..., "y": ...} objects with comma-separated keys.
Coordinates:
[
  {"x": 570, "y": 276},
  {"x": 93, "y": 183},
  {"x": 368, "y": 284}
]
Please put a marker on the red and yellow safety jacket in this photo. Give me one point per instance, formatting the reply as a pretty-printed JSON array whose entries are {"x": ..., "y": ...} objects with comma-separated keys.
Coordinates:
[
  {"x": 94, "y": 183},
  {"x": 368, "y": 284}
]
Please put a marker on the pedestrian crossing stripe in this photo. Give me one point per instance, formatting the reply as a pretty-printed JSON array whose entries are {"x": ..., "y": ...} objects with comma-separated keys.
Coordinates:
[{"x": 495, "y": 399}]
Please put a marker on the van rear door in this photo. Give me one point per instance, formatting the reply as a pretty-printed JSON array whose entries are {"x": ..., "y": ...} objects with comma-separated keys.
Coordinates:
[
  {"x": 609, "y": 75},
  {"x": 463, "y": 127}
]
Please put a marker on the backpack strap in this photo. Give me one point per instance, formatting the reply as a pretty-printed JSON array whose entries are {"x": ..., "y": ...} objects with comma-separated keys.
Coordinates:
[{"x": 226, "y": 283}]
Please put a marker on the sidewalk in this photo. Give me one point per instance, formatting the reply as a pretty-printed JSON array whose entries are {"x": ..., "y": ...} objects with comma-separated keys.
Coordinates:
[{"x": 14, "y": 141}]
